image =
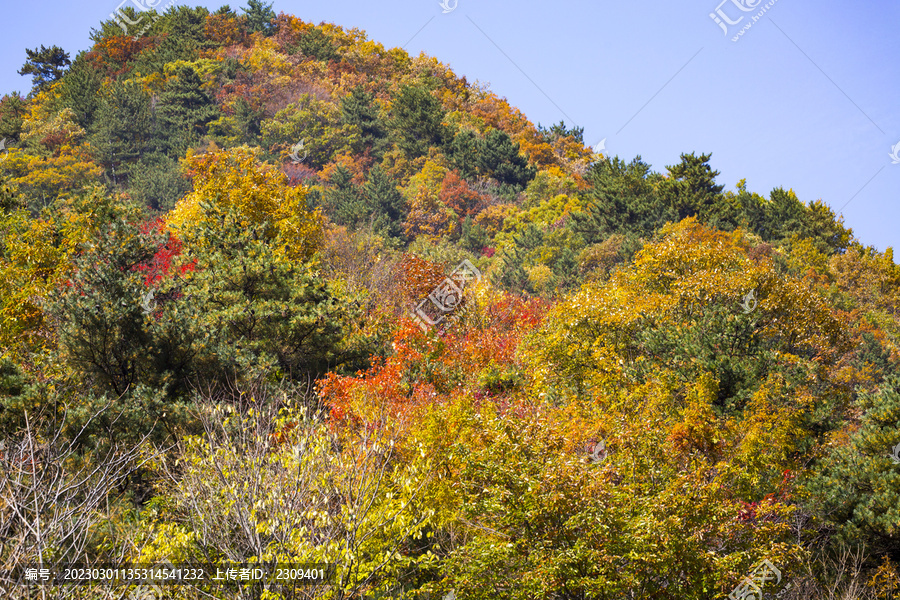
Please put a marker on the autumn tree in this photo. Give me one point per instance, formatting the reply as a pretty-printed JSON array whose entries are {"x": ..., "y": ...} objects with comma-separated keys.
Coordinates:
[
  {"x": 259, "y": 193},
  {"x": 53, "y": 161}
]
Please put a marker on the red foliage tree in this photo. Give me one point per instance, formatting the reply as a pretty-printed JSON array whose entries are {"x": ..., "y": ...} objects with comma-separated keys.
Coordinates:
[{"x": 457, "y": 195}]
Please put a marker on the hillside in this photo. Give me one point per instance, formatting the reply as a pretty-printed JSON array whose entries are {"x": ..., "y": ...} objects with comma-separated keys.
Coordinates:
[{"x": 271, "y": 293}]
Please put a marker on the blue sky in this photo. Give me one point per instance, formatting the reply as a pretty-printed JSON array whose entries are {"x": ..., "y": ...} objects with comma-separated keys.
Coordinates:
[{"x": 808, "y": 98}]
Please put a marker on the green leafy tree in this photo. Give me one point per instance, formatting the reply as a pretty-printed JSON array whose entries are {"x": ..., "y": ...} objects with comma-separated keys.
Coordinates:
[
  {"x": 358, "y": 109},
  {"x": 124, "y": 129},
  {"x": 259, "y": 17},
  {"x": 416, "y": 120},
  {"x": 856, "y": 488},
  {"x": 45, "y": 65},
  {"x": 691, "y": 187},
  {"x": 81, "y": 90},
  {"x": 387, "y": 206},
  {"x": 498, "y": 157},
  {"x": 315, "y": 44},
  {"x": 344, "y": 200},
  {"x": 463, "y": 151},
  {"x": 259, "y": 311},
  {"x": 12, "y": 109},
  {"x": 183, "y": 112}
]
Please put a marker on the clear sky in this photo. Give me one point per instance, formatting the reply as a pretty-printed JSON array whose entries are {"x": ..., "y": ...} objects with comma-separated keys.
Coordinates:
[{"x": 807, "y": 98}]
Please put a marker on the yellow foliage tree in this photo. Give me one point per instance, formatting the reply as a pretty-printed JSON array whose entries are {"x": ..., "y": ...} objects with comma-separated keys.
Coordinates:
[
  {"x": 427, "y": 214},
  {"x": 235, "y": 178}
]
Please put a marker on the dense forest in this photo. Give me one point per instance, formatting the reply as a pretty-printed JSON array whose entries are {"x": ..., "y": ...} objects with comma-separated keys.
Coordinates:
[{"x": 273, "y": 294}]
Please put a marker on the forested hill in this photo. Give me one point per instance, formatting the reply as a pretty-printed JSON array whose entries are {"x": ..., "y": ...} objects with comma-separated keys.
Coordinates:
[{"x": 270, "y": 291}]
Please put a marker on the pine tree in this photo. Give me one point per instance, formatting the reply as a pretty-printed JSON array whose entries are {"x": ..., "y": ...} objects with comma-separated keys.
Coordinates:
[
  {"x": 187, "y": 25},
  {"x": 621, "y": 200},
  {"x": 81, "y": 90},
  {"x": 315, "y": 44},
  {"x": 12, "y": 111},
  {"x": 344, "y": 200},
  {"x": 857, "y": 488},
  {"x": 463, "y": 151},
  {"x": 123, "y": 129},
  {"x": 473, "y": 237},
  {"x": 691, "y": 187},
  {"x": 385, "y": 202},
  {"x": 183, "y": 112},
  {"x": 416, "y": 120},
  {"x": 498, "y": 157},
  {"x": 156, "y": 182},
  {"x": 259, "y": 311},
  {"x": 106, "y": 336},
  {"x": 512, "y": 274},
  {"x": 45, "y": 65},
  {"x": 259, "y": 17},
  {"x": 560, "y": 130},
  {"x": 358, "y": 109}
]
